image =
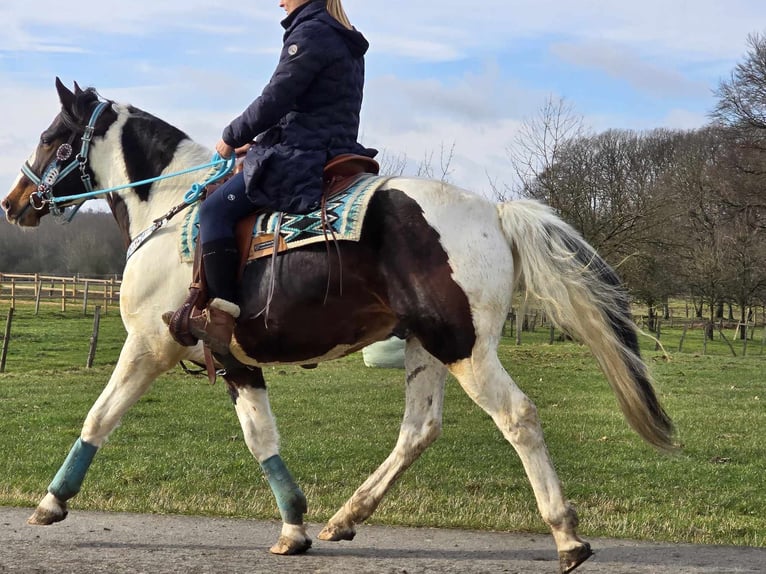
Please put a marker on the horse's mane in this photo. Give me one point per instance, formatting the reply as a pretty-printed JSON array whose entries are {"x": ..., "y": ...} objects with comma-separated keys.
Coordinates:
[{"x": 76, "y": 118}]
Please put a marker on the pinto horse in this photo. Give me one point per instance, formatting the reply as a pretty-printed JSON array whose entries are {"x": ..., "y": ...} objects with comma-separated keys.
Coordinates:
[{"x": 434, "y": 263}]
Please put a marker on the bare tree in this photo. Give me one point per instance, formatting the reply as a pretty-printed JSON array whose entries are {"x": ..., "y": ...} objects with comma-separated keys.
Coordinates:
[
  {"x": 742, "y": 98},
  {"x": 742, "y": 109},
  {"x": 392, "y": 165},
  {"x": 398, "y": 165},
  {"x": 536, "y": 145},
  {"x": 446, "y": 156}
]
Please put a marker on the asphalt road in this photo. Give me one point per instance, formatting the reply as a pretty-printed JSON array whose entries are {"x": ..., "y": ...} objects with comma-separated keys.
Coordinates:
[{"x": 116, "y": 543}]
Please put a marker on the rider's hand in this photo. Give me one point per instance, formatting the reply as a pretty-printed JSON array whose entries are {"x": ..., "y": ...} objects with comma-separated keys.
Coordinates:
[
  {"x": 224, "y": 149},
  {"x": 242, "y": 150}
]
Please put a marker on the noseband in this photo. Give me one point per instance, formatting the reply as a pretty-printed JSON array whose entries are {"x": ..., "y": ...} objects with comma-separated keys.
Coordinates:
[{"x": 56, "y": 170}]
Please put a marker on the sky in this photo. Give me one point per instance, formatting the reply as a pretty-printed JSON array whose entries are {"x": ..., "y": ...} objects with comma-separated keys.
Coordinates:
[{"x": 448, "y": 83}]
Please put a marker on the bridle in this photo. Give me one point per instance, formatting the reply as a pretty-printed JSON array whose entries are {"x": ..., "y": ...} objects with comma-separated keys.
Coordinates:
[{"x": 58, "y": 170}]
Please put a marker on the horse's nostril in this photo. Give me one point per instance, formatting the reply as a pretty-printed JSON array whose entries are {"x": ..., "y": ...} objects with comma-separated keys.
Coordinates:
[{"x": 5, "y": 204}]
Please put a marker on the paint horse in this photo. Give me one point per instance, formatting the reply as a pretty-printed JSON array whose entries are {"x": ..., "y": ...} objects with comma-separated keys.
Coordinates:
[{"x": 433, "y": 263}]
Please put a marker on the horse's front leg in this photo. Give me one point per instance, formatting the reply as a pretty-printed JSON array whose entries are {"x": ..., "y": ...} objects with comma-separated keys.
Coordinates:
[
  {"x": 140, "y": 362},
  {"x": 251, "y": 402}
]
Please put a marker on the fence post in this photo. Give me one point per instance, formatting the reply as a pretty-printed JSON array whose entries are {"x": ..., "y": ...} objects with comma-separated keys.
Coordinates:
[
  {"x": 85, "y": 298},
  {"x": 63, "y": 295},
  {"x": 744, "y": 339},
  {"x": 94, "y": 336},
  {"x": 6, "y": 338},
  {"x": 659, "y": 334},
  {"x": 38, "y": 294},
  {"x": 683, "y": 336},
  {"x": 13, "y": 292},
  {"x": 731, "y": 348}
]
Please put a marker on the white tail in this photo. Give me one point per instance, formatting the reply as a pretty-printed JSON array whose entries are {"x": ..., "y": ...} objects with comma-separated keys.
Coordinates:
[{"x": 584, "y": 297}]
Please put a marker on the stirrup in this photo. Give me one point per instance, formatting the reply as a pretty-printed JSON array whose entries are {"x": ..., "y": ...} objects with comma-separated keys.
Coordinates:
[
  {"x": 216, "y": 326},
  {"x": 178, "y": 320}
]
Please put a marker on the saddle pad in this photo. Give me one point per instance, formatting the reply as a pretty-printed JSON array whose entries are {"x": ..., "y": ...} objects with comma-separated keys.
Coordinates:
[
  {"x": 345, "y": 214},
  {"x": 189, "y": 232}
]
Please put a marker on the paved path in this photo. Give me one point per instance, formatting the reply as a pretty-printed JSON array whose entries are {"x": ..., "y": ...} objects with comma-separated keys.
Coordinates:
[{"x": 117, "y": 543}]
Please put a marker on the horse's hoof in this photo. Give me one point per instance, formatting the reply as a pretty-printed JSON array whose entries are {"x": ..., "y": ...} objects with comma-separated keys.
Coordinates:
[
  {"x": 571, "y": 559},
  {"x": 335, "y": 534},
  {"x": 287, "y": 546},
  {"x": 47, "y": 516}
]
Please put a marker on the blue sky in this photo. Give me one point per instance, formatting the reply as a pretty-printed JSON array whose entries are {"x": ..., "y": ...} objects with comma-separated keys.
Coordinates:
[{"x": 440, "y": 75}]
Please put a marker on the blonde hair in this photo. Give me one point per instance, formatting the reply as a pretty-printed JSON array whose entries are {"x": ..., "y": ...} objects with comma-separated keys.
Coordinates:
[{"x": 335, "y": 9}]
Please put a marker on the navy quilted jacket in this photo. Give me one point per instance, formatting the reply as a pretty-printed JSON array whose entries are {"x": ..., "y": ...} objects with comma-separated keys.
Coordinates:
[{"x": 307, "y": 114}]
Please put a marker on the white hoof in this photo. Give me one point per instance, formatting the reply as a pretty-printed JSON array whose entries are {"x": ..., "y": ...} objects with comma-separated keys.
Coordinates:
[
  {"x": 334, "y": 533},
  {"x": 293, "y": 540},
  {"x": 49, "y": 511}
]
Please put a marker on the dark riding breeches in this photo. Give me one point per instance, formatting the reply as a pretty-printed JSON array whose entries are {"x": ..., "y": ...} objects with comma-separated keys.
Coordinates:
[{"x": 219, "y": 213}]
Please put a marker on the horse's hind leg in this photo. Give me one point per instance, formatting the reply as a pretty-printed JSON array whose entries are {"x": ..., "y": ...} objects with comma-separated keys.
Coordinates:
[
  {"x": 251, "y": 402},
  {"x": 489, "y": 385},
  {"x": 420, "y": 427},
  {"x": 141, "y": 362}
]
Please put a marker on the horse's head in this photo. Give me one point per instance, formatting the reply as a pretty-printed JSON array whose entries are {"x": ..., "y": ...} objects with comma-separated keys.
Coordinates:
[{"x": 59, "y": 166}]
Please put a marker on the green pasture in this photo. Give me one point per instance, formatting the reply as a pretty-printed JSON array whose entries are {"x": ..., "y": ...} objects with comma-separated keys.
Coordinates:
[{"x": 180, "y": 449}]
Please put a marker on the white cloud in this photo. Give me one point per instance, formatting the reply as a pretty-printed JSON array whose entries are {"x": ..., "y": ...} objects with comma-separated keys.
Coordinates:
[{"x": 624, "y": 64}]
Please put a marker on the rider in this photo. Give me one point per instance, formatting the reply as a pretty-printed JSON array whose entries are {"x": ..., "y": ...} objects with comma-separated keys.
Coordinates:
[{"x": 306, "y": 115}]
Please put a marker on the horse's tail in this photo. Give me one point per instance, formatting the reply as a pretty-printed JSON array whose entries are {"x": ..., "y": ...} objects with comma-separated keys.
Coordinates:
[{"x": 584, "y": 297}]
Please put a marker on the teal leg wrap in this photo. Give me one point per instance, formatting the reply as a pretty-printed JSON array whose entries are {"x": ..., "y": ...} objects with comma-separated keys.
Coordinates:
[
  {"x": 290, "y": 500},
  {"x": 68, "y": 479}
]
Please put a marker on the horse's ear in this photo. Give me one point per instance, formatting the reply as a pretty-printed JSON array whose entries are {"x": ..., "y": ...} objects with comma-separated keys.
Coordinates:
[
  {"x": 65, "y": 95},
  {"x": 77, "y": 90}
]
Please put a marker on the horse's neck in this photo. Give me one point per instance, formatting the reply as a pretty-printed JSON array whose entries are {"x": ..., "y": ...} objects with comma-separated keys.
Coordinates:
[{"x": 131, "y": 212}]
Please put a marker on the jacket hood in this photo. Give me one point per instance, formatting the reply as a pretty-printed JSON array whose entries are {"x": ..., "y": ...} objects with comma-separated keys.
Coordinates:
[
  {"x": 354, "y": 39},
  {"x": 356, "y": 42}
]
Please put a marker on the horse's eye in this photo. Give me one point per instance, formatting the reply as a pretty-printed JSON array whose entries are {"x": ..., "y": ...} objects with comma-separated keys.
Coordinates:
[{"x": 44, "y": 141}]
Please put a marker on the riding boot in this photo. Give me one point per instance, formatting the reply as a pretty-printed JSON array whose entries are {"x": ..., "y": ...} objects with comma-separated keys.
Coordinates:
[
  {"x": 220, "y": 259},
  {"x": 215, "y": 326}
]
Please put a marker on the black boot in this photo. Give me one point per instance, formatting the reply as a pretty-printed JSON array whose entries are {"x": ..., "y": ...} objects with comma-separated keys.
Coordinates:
[{"x": 220, "y": 258}]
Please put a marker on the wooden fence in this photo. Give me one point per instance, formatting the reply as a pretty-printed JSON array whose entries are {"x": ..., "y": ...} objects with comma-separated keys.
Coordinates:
[
  {"x": 681, "y": 333},
  {"x": 62, "y": 291}
]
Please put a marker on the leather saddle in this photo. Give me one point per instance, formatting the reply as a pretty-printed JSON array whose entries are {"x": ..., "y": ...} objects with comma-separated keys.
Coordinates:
[{"x": 339, "y": 174}]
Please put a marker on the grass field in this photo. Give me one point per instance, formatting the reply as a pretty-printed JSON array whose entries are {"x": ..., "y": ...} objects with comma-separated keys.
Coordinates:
[{"x": 180, "y": 450}]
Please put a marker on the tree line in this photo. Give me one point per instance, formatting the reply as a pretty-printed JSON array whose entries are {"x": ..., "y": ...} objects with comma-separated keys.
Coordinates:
[
  {"x": 91, "y": 246},
  {"x": 677, "y": 212}
]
